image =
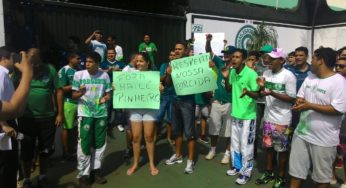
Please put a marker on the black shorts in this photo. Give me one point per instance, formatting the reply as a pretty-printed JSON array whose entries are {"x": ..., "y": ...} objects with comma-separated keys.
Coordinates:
[
  {"x": 183, "y": 119},
  {"x": 9, "y": 166},
  {"x": 41, "y": 129}
]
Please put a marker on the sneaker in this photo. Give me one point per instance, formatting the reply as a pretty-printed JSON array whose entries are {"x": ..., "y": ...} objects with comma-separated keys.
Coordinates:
[
  {"x": 120, "y": 128},
  {"x": 232, "y": 172},
  {"x": 265, "y": 178},
  {"x": 225, "y": 159},
  {"x": 279, "y": 183},
  {"x": 203, "y": 139},
  {"x": 189, "y": 167},
  {"x": 339, "y": 163},
  {"x": 84, "y": 182},
  {"x": 174, "y": 160},
  {"x": 242, "y": 180},
  {"x": 97, "y": 177},
  {"x": 210, "y": 155}
]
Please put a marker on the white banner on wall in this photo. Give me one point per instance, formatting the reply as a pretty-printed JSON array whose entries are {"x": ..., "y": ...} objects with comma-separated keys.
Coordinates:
[{"x": 216, "y": 44}]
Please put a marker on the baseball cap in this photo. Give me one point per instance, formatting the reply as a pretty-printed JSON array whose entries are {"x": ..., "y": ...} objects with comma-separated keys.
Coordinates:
[
  {"x": 277, "y": 53},
  {"x": 266, "y": 48},
  {"x": 229, "y": 50}
]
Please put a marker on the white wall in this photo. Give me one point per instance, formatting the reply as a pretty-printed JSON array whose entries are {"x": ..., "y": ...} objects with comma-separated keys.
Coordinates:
[
  {"x": 330, "y": 37},
  {"x": 289, "y": 38},
  {"x": 2, "y": 26}
]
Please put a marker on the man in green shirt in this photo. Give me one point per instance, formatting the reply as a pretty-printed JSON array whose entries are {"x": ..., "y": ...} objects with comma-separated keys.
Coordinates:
[
  {"x": 39, "y": 118},
  {"x": 150, "y": 48},
  {"x": 244, "y": 91},
  {"x": 220, "y": 114},
  {"x": 65, "y": 75}
]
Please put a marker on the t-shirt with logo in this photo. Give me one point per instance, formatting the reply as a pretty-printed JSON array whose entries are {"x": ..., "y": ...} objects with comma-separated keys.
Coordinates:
[
  {"x": 283, "y": 82},
  {"x": 319, "y": 128},
  {"x": 65, "y": 75},
  {"x": 106, "y": 64},
  {"x": 42, "y": 87},
  {"x": 243, "y": 108},
  {"x": 96, "y": 87},
  {"x": 99, "y": 47},
  {"x": 221, "y": 94},
  {"x": 150, "y": 48}
]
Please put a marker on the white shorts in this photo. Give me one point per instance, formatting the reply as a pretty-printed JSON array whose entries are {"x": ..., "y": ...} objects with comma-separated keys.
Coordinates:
[
  {"x": 143, "y": 115},
  {"x": 202, "y": 111},
  {"x": 304, "y": 154},
  {"x": 220, "y": 117}
]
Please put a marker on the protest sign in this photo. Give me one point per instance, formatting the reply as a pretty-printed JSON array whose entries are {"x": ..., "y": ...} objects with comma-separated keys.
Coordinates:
[
  {"x": 193, "y": 75},
  {"x": 139, "y": 90}
]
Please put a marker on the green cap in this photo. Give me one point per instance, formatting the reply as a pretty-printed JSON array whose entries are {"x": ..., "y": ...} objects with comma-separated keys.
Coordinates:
[{"x": 266, "y": 48}]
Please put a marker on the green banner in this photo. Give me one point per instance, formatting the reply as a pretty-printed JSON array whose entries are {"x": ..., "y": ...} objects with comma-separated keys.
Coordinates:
[
  {"x": 193, "y": 75},
  {"x": 136, "y": 90}
]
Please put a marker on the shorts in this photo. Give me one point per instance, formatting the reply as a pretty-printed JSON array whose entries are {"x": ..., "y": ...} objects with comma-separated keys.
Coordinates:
[
  {"x": 165, "y": 108},
  {"x": 276, "y": 136},
  {"x": 70, "y": 114},
  {"x": 183, "y": 119},
  {"x": 305, "y": 154},
  {"x": 202, "y": 111},
  {"x": 143, "y": 115},
  {"x": 42, "y": 129},
  {"x": 220, "y": 116},
  {"x": 9, "y": 166}
]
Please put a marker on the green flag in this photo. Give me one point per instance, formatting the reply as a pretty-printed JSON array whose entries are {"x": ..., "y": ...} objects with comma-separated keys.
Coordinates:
[
  {"x": 193, "y": 75},
  {"x": 136, "y": 90}
]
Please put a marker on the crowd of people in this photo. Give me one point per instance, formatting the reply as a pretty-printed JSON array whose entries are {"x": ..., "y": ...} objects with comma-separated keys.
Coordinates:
[{"x": 299, "y": 107}]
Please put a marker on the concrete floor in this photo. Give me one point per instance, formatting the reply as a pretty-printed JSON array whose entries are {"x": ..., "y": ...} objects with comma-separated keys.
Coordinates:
[{"x": 207, "y": 173}]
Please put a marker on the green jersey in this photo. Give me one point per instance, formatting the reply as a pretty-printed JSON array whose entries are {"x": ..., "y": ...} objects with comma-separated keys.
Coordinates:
[
  {"x": 65, "y": 78},
  {"x": 243, "y": 108},
  {"x": 96, "y": 87},
  {"x": 40, "y": 100},
  {"x": 221, "y": 94},
  {"x": 150, "y": 48}
]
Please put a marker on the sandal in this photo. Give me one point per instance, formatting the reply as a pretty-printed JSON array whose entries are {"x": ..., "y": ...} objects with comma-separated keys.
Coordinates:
[
  {"x": 154, "y": 172},
  {"x": 131, "y": 171}
]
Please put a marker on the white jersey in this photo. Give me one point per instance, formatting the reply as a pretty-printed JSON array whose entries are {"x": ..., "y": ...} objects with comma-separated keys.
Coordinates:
[
  {"x": 96, "y": 87},
  {"x": 100, "y": 48},
  {"x": 284, "y": 82},
  {"x": 319, "y": 128}
]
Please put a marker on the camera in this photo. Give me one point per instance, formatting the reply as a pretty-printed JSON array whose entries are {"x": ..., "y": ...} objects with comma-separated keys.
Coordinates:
[{"x": 17, "y": 58}]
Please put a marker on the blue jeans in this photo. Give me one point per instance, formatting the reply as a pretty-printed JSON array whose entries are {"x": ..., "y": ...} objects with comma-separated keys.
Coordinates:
[{"x": 165, "y": 107}]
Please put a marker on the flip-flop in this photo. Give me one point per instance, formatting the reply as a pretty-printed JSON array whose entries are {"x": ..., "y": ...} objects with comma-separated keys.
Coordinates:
[
  {"x": 131, "y": 171},
  {"x": 154, "y": 172}
]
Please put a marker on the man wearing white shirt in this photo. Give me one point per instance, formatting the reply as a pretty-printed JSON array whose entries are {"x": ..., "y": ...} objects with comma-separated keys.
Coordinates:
[
  {"x": 96, "y": 44},
  {"x": 322, "y": 101},
  {"x": 8, "y": 158}
]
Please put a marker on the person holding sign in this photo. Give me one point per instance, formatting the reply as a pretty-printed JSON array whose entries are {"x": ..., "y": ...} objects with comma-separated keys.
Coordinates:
[
  {"x": 183, "y": 119},
  {"x": 143, "y": 120},
  {"x": 220, "y": 114},
  {"x": 91, "y": 87},
  {"x": 243, "y": 131}
]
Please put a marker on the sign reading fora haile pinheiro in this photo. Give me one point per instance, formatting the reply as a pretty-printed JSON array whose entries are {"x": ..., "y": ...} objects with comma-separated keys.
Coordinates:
[
  {"x": 136, "y": 90},
  {"x": 193, "y": 75}
]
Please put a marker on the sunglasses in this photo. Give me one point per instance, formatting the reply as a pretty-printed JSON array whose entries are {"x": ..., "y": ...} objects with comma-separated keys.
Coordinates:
[{"x": 341, "y": 66}]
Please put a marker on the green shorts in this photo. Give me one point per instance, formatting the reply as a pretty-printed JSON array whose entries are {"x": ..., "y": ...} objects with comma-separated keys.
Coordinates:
[{"x": 70, "y": 112}]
